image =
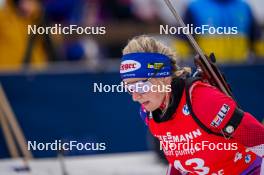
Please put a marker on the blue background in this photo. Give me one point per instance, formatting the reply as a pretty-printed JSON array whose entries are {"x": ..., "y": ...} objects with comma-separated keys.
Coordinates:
[{"x": 63, "y": 106}]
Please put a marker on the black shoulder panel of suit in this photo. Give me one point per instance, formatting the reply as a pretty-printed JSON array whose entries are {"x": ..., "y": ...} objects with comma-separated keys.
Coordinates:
[{"x": 231, "y": 125}]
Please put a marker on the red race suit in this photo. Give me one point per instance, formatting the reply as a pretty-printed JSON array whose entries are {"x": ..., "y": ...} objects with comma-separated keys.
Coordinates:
[{"x": 200, "y": 145}]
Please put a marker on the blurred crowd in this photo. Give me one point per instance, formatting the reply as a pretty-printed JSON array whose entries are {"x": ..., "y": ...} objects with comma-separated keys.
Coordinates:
[{"x": 124, "y": 19}]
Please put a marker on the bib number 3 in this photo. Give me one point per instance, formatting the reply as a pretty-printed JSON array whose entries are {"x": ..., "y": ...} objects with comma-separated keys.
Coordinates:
[{"x": 197, "y": 166}]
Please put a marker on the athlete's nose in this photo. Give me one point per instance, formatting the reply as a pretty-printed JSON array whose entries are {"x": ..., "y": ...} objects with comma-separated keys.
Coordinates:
[{"x": 136, "y": 96}]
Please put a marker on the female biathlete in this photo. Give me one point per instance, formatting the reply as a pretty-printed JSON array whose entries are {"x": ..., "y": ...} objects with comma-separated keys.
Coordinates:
[{"x": 200, "y": 129}]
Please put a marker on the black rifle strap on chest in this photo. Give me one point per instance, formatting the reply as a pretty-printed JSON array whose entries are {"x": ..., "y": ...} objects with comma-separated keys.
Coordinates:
[{"x": 231, "y": 125}]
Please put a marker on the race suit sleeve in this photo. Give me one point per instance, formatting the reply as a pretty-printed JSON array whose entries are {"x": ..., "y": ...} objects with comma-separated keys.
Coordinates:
[{"x": 214, "y": 109}]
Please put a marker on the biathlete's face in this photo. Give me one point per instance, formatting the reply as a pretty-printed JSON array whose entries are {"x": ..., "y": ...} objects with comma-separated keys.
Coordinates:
[{"x": 148, "y": 92}]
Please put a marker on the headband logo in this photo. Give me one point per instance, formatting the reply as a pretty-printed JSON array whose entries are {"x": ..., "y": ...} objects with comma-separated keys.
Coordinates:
[
  {"x": 155, "y": 65},
  {"x": 129, "y": 66}
]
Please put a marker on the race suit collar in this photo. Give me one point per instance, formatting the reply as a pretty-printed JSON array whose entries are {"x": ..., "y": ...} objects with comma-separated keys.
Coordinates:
[{"x": 177, "y": 88}]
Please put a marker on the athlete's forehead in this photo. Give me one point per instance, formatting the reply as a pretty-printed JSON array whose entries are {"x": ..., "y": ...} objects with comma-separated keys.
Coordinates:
[{"x": 133, "y": 80}]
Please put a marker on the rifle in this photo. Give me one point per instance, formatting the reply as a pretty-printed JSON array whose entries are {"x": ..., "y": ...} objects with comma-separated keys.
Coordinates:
[{"x": 206, "y": 66}]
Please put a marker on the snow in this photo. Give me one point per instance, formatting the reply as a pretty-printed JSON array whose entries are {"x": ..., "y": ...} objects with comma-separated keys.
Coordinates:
[{"x": 139, "y": 163}]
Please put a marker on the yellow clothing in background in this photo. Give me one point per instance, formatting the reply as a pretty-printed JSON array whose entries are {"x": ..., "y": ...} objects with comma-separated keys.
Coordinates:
[{"x": 14, "y": 40}]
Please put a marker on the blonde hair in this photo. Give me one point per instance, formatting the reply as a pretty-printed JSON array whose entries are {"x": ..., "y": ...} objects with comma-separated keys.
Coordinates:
[{"x": 145, "y": 43}]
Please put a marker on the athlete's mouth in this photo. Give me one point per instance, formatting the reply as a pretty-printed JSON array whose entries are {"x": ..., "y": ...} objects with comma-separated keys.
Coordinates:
[{"x": 145, "y": 103}]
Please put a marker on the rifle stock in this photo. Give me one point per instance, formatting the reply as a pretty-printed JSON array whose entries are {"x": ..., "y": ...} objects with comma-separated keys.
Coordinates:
[{"x": 206, "y": 74}]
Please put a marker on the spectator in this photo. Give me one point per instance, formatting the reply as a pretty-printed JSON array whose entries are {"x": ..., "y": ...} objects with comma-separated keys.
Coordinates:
[
  {"x": 228, "y": 48},
  {"x": 14, "y": 16}
]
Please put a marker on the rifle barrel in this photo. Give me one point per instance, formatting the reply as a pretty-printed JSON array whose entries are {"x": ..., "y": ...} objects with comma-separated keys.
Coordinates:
[{"x": 196, "y": 47}]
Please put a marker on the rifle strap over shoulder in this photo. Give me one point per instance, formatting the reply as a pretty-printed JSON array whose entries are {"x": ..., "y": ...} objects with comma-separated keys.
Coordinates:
[{"x": 231, "y": 125}]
